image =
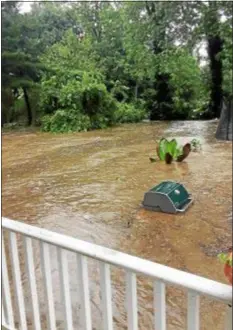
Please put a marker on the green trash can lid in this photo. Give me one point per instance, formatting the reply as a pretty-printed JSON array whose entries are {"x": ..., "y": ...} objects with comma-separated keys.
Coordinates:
[
  {"x": 165, "y": 187},
  {"x": 175, "y": 191}
]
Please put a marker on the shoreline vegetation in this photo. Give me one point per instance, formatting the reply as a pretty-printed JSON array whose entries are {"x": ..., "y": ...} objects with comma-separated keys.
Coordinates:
[{"x": 70, "y": 67}]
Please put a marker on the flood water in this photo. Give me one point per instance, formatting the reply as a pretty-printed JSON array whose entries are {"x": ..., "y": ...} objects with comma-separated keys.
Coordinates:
[{"x": 90, "y": 186}]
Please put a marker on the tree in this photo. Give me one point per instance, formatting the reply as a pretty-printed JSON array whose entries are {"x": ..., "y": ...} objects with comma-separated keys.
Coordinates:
[
  {"x": 206, "y": 18},
  {"x": 215, "y": 47},
  {"x": 226, "y": 26},
  {"x": 19, "y": 70},
  {"x": 46, "y": 25},
  {"x": 160, "y": 16}
]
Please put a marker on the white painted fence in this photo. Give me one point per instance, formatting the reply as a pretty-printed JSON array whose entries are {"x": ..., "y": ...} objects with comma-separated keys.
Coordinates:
[{"x": 161, "y": 275}]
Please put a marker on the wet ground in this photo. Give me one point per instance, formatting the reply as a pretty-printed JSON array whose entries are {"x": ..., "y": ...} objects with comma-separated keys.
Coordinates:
[{"x": 90, "y": 186}]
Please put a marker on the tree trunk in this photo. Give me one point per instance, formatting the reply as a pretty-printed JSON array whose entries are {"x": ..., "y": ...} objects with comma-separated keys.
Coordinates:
[
  {"x": 162, "y": 101},
  {"x": 215, "y": 45},
  {"x": 7, "y": 104},
  {"x": 136, "y": 91},
  {"x": 29, "y": 110}
]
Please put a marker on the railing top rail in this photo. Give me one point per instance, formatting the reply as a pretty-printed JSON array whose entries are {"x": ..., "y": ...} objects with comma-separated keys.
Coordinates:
[{"x": 154, "y": 270}]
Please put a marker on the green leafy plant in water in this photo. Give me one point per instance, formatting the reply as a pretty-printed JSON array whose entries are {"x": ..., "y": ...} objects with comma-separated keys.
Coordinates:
[
  {"x": 195, "y": 145},
  {"x": 225, "y": 258},
  {"x": 169, "y": 150}
]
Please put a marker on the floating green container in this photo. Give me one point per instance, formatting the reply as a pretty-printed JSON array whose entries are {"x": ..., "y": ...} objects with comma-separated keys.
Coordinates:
[{"x": 168, "y": 197}]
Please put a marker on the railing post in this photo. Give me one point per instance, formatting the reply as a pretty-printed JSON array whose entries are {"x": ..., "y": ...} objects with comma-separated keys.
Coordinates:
[
  {"x": 46, "y": 271},
  {"x": 6, "y": 289},
  {"x": 228, "y": 319},
  {"x": 131, "y": 296},
  {"x": 106, "y": 296},
  {"x": 84, "y": 292},
  {"x": 160, "y": 305},
  {"x": 17, "y": 280},
  {"x": 193, "y": 311}
]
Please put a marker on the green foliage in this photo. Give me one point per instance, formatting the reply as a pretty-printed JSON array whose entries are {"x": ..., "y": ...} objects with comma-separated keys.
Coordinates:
[
  {"x": 80, "y": 93},
  {"x": 20, "y": 68},
  {"x": 96, "y": 100},
  {"x": 227, "y": 53},
  {"x": 195, "y": 145},
  {"x": 225, "y": 258},
  {"x": 65, "y": 121},
  {"x": 71, "y": 54},
  {"x": 18, "y": 110},
  {"x": 119, "y": 91},
  {"x": 46, "y": 25},
  {"x": 111, "y": 62},
  {"x": 46, "y": 123},
  {"x": 185, "y": 80},
  {"x": 170, "y": 147},
  {"x": 170, "y": 150},
  {"x": 127, "y": 113}
]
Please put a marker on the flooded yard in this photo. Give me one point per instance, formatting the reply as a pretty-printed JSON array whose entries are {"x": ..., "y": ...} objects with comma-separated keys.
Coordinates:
[{"x": 91, "y": 185}]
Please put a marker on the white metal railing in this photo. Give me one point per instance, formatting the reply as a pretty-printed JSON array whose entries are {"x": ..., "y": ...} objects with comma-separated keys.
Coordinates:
[{"x": 196, "y": 286}]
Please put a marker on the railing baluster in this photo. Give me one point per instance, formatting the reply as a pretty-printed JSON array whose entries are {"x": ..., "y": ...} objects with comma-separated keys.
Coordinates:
[
  {"x": 32, "y": 282},
  {"x": 193, "y": 311},
  {"x": 160, "y": 305},
  {"x": 6, "y": 288},
  {"x": 84, "y": 291},
  {"x": 228, "y": 319},
  {"x": 3, "y": 311},
  {"x": 131, "y": 296},
  {"x": 105, "y": 284},
  {"x": 65, "y": 287},
  {"x": 46, "y": 270},
  {"x": 17, "y": 280}
]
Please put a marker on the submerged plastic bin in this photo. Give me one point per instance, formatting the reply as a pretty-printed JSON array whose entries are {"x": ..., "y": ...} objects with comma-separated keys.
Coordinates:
[{"x": 168, "y": 197}]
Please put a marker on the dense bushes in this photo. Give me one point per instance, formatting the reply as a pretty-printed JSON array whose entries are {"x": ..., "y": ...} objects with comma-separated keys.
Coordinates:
[
  {"x": 65, "y": 121},
  {"x": 128, "y": 113},
  {"x": 68, "y": 121},
  {"x": 77, "y": 103}
]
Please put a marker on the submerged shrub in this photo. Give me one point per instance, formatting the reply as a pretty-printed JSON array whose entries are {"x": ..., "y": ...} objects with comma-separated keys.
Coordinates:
[
  {"x": 46, "y": 123},
  {"x": 79, "y": 103},
  {"x": 127, "y": 113},
  {"x": 65, "y": 121},
  {"x": 195, "y": 145},
  {"x": 98, "y": 104}
]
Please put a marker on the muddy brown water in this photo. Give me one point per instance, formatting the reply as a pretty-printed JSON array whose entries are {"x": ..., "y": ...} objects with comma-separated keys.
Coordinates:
[{"x": 90, "y": 186}]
